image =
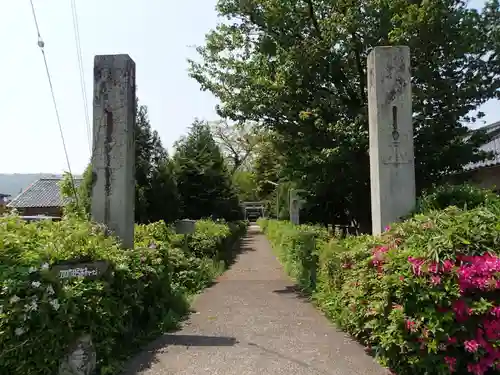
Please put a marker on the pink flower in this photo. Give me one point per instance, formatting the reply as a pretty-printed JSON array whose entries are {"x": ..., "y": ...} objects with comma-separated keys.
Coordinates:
[
  {"x": 496, "y": 311},
  {"x": 476, "y": 368},
  {"x": 452, "y": 340},
  {"x": 462, "y": 311},
  {"x": 478, "y": 272},
  {"x": 387, "y": 228},
  {"x": 416, "y": 264},
  {"x": 433, "y": 267},
  {"x": 471, "y": 346},
  {"x": 491, "y": 329},
  {"x": 411, "y": 325},
  {"x": 435, "y": 280},
  {"x": 451, "y": 362},
  {"x": 378, "y": 257},
  {"x": 447, "y": 266}
]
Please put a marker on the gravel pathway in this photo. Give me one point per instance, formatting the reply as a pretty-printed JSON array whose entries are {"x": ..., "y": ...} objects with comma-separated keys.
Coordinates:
[{"x": 252, "y": 322}]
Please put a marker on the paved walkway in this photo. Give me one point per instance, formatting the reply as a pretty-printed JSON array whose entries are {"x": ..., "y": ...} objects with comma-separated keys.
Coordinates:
[{"x": 252, "y": 322}]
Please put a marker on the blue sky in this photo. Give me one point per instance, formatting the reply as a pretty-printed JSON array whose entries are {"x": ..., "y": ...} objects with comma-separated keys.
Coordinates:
[{"x": 158, "y": 34}]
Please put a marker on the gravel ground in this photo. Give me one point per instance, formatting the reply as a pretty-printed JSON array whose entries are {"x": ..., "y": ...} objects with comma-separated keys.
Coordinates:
[{"x": 253, "y": 322}]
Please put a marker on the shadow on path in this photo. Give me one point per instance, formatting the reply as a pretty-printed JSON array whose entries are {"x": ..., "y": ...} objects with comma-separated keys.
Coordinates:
[
  {"x": 254, "y": 321},
  {"x": 240, "y": 246},
  {"x": 294, "y": 290},
  {"x": 148, "y": 356}
]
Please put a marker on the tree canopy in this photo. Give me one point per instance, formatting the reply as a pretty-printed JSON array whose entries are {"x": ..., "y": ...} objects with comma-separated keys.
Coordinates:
[
  {"x": 299, "y": 68},
  {"x": 204, "y": 184}
]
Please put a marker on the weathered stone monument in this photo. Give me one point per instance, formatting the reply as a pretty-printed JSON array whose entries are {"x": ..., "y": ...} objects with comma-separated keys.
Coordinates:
[
  {"x": 392, "y": 168},
  {"x": 295, "y": 205},
  {"x": 113, "y": 156}
]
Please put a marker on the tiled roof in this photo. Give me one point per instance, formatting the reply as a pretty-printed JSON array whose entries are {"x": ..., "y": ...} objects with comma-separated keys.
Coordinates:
[
  {"x": 493, "y": 145},
  {"x": 44, "y": 192}
]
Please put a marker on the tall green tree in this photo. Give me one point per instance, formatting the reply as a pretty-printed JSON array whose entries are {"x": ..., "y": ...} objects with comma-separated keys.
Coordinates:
[
  {"x": 204, "y": 184},
  {"x": 156, "y": 196},
  {"x": 299, "y": 67}
]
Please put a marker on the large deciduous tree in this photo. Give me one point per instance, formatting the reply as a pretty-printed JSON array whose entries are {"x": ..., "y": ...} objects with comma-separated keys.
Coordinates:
[
  {"x": 299, "y": 67},
  {"x": 237, "y": 142}
]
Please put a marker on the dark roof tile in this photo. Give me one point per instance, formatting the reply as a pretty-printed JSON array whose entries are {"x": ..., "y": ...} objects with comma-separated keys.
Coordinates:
[{"x": 44, "y": 192}]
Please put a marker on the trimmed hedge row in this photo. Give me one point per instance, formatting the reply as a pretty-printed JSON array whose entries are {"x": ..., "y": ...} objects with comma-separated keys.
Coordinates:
[
  {"x": 145, "y": 291},
  {"x": 297, "y": 248},
  {"x": 424, "y": 297}
]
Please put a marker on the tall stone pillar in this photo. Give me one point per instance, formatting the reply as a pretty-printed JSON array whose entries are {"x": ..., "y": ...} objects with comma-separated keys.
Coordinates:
[
  {"x": 392, "y": 167},
  {"x": 113, "y": 155}
]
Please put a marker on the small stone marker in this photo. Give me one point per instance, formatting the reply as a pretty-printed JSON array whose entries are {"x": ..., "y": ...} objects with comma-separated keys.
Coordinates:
[
  {"x": 91, "y": 270},
  {"x": 295, "y": 204},
  {"x": 185, "y": 226},
  {"x": 81, "y": 358},
  {"x": 113, "y": 154},
  {"x": 392, "y": 169}
]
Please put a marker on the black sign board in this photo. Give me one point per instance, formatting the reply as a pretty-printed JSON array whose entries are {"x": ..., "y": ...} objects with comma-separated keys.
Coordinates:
[{"x": 90, "y": 270}]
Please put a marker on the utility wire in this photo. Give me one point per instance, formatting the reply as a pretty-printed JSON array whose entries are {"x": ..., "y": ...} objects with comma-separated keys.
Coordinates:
[
  {"x": 76, "y": 30},
  {"x": 41, "y": 44}
]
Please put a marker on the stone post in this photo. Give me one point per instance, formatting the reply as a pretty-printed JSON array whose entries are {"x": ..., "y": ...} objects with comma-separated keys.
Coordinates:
[
  {"x": 113, "y": 155},
  {"x": 295, "y": 204},
  {"x": 392, "y": 168}
]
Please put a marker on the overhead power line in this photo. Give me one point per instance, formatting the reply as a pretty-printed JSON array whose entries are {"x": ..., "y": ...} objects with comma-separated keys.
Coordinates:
[
  {"x": 41, "y": 44},
  {"x": 76, "y": 31}
]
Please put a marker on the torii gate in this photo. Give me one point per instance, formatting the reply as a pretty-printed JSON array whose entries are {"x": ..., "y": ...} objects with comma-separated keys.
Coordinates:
[{"x": 253, "y": 206}]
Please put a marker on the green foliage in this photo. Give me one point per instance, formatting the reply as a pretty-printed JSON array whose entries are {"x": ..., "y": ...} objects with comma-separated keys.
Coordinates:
[
  {"x": 237, "y": 142},
  {"x": 81, "y": 204},
  {"x": 244, "y": 183},
  {"x": 156, "y": 195},
  {"x": 296, "y": 247},
  {"x": 421, "y": 296},
  {"x": 462, "y": 196},
  {"x": 146, "y": 290},
  {"x": 266, "y": 167},
  {"x": 272, "y": 61},
  {"x": 204, "y": 184}
]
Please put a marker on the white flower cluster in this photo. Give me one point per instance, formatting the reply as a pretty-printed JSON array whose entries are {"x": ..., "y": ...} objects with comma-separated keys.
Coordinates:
[
  {"x": 44, "y": 266},
  {"x": 31, "y": 304}
]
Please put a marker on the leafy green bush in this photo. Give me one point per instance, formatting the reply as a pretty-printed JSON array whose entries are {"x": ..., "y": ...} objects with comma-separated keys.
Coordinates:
[
  {"x": 213, "y": 239},
  {"x": 145, "y": 291},
  {"x": 463, "y": 196},
  {"x": 424, "y": 296},
  {"x": 296, "y": 247},
  {"x": 151, "y": 234}
]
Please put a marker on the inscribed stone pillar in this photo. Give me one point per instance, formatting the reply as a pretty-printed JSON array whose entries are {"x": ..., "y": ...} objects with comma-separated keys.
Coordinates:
[
  {"x": 113, "y": 155},
  {"x": 294, "y": 207},
  {"x": 392, "y": 168}
]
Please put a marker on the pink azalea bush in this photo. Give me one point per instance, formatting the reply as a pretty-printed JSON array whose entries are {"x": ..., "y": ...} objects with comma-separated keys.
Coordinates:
[{"x": 425, "y": 296}]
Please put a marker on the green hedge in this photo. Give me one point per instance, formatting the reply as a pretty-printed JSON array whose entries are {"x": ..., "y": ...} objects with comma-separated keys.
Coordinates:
[
  {"x": 297, "y": 248},
  {"x": 424, "y": 297},
  {"x": 462, "y": 196},
  {"x": 146, "y": 290}
]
